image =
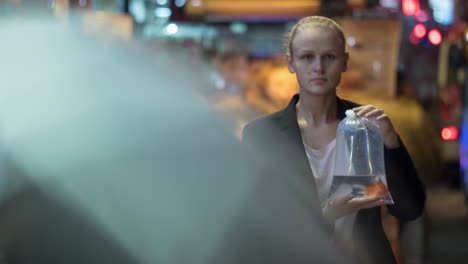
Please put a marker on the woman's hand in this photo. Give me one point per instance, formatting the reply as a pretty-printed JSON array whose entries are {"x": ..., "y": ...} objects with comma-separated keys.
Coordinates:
[
  {"x": 389, "y": 134},
  {"x": 347, "y": 204}
]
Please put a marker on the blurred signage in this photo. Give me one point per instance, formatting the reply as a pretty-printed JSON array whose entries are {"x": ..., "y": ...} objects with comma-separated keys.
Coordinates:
[
  {"x": 249, "y": 8},
  {"x": 390, "y": 3},
  {"x": 356, "y": 4}
]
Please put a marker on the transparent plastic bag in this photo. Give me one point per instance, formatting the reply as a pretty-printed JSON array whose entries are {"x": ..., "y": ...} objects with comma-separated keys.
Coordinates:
[{"x": 359, "y": 163}]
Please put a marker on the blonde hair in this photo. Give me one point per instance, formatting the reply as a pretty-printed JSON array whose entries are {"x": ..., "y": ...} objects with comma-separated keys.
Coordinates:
[{"x": 313, "y": 21}]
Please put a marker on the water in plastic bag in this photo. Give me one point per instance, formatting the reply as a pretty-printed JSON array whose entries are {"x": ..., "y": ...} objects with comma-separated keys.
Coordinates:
[{"x": 359, "y": 164}]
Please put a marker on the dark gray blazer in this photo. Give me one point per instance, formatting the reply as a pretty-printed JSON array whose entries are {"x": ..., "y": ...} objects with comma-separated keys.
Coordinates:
[{"x": 283, "y": 176}]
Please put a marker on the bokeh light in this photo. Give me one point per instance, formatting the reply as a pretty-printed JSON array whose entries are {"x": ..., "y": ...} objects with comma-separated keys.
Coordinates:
[
  {"x": 419, "y": 30},
  {"x": 435, "y": 37}
]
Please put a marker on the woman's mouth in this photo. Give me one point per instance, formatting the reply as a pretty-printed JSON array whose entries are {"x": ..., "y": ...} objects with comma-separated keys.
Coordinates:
[{"x": 318, "y": 80}]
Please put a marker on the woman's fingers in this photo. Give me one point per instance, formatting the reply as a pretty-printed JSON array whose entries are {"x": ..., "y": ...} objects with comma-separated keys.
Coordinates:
[
  {"x": 342, "y": 200},
  {"x": 347, "y": 204},
  {"x": 369, "y": 111},
  {"x": 337, "y": 208},
  {"x": 389, "y": 134},
  {"x": 362, "y": 110},
  {"x": 367, "y": 202},
  {"x": 375, "y": 112},
  {"x": 382, "y": 117},
  {"x": 358, "y": 203}
]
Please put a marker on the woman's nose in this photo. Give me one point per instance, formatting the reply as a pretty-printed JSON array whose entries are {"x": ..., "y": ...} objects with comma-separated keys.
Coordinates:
[{"x": 317, "y": 65}]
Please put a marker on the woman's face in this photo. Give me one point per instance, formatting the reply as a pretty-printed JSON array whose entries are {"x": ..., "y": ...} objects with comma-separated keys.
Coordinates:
[{"x": 318, "y": 59}]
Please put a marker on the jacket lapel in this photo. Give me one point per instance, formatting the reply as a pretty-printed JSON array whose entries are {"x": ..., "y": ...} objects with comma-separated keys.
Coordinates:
[
  {"x": 289, "y": 125},
  {"x": 295, "y": 154}
]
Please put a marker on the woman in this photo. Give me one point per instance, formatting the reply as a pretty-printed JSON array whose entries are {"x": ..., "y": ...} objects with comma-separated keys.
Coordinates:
[{"x": 301, "y": 137}]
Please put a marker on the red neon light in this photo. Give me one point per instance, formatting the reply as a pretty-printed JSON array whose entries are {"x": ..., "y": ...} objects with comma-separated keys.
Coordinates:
[
  {"x": 449, "y": 133},
  {"x": 419, "y": 30},
  {"x": 413, "y": 39},
  {"x": 435, "y": 37},
  {"x": 421, "y": 16},
  {"x": 410, "y": 7}
]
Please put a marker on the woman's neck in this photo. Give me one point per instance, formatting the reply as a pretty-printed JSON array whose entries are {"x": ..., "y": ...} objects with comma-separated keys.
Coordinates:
[{"x": 317, "y": 110}]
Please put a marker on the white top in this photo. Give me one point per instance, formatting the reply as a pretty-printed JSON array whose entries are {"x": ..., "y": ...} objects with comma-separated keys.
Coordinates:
[{"x": 322, "y": 163}]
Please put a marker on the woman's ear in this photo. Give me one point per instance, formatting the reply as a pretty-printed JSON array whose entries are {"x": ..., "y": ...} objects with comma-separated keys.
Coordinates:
[
  {"x": 346, "y": 58},
  {"x": 290, "y": 66}
]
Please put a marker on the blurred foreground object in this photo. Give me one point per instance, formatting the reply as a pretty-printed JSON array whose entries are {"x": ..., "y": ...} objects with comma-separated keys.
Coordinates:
[{"x": 110, "y": 156}]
